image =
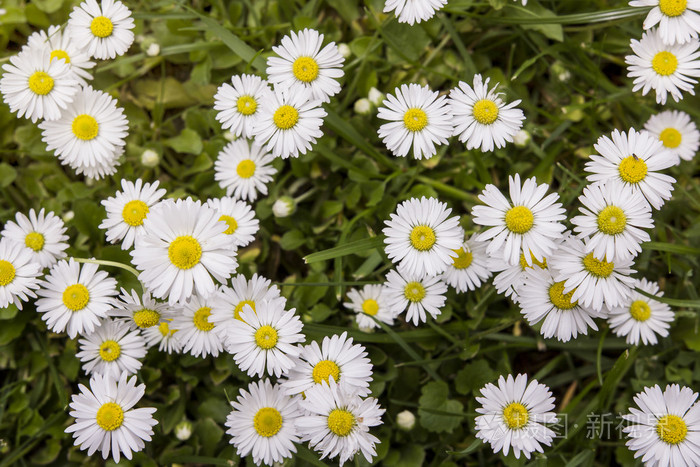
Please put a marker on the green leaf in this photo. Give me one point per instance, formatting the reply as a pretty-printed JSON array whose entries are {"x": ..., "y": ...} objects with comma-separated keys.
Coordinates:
[
  {"x": 576, "y": 18},
  {"x": 435, "y": 408},
  {"x": 187, "y": 142},
  {"x": 350, "y": 248},
  {"x": 468, "y": 450},
  {"x": 614, "y": 376},
  {"x": 292, "y": 240},
  {"x": 8, "y": 174},
  {"x": 671, "y": 248},
  {"x": 474, "y": 376},
  {"x": 671, "y": 301}
]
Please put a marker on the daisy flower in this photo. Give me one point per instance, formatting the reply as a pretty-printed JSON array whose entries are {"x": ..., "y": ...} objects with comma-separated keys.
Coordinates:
[
  {"x": 421, "y": 238},
  {"x": 613, "y": 217},
  {"x": 63, "y": 46},
  {"x": 337, "y": 423},
  {"x": 74, "y": 298},
  {"x": 239, "y": 217},
  {"x": 239, "y": 105},
  {"x": 262, "y": 423},
  {"x": 413, "y": 11},
  {"x": 105, "y": 418},
  {"x": 164, "y": 336},
  {"x": 417, "y": 117},
  {"x": 90, "y": 133},
  {"x": 469, "y": 268},
  {"x": 528, "y": 222},
  {"x": 112, "y": 349},
  {"x": 302, "y": 64},
  {"x": 511, "y": 277},
  {"x": 37, "y": 87},
  {"x": 139, "y": 312},
  {"x": 196, "y": 332},
  {"x": 19, "y": 274},
  {"x": 289, "y": 122},
  {"x": 243, "y": 169},
  {"x": 481, "y": 118},
  {"x": 640, "y": 317},
  {"x": 667, "y": 69},
  {"x": 370, "y": 301},
  {"x": 515, "y": 414},
  {"x": 44, "y": 234},
  {"x": 182, "y": 246},
  {"x": 677, "y": 132},
  {"x": 103, "y": 29},
  {"x": 593, "y": 280},
  {"x": 633, "y": 160},
  {"x": 337, "y": 358},
  {"x": 664, "y": 431},
  {"x": 677, "y": 19},
  {"x": 542, "y": 299},
  {"x": 420, "y": 294},
  {"x": 263, "y": 340}
]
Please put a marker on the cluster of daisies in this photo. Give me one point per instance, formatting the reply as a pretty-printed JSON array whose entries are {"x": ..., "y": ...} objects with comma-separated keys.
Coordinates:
[
  {"x": 48, "y": 80},
  {"x": 415, "y": 11}
]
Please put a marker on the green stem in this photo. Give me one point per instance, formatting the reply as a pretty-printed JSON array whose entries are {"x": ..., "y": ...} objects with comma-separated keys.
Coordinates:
[{"x": 109, "y": 263}]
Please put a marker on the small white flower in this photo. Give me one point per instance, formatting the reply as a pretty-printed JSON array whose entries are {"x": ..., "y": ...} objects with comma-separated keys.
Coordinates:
[
  {"x": 511, "y": 277},
  {"x": 239, "y": 217},
  {"x": 153, "y": 50},
  {"x": 677, "y": 132},
  {"x": 183, "y": 430},
  {"x": 641, "y": 317},
  {"x": 678, "y": 20},
  {"x": 420, "y": 294},
  {"x": 104, "y": 29},
  {"x": 521, "y": 138},
  {"x": 196, "y": 332},
  {"x": 164, "y": 335},
  {"x": 19, "y": 274},
  {"x": 139, "y": 312},
  {"x": 406, "y": 420},
  {"x": 284, "y": 206},
  {"x": 243, "y": 169},
  {"x": 150, "y": 158},
  {"x": 375, "y": 96},
  {"x": 112, "y": 348},
  {"x": 370, "y": 301},
  {"x": 63, "y": 46},
  {"x": 362, "y": 106},
  {"x": 469, "y": 268},
  {"x": 344, "y": 50},
  {"x": 238, "y": 103},
  {"x": 413, "y": 11},
  {"x": 43, "y": 234}
]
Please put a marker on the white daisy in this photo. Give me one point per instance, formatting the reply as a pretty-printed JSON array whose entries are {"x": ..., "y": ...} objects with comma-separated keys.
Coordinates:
[
  {"x": 338, "y": 359},
  {"x": 511, "y": 277},
  {"x": 263, "y": 423},
  {"x": 243, "y": 169},
  {"x": 595, "y": 281},
  {"x": 481, "y": 118},
  {"x": 667, "y": 69},
  {"x": 515, "y": 415},
  {"x": 239, "y": 105},
  {"x": 336, "y": 423},
  {"x": 263, "y": 340},
  {"x": 44, "y": 234},
  {"x": 413, "y": 11},
  {"x": 139, "y": 311},
  {"x": 165, "y": 336},
  {"x": 37, "y": 87},
  {"x": 90, "y": 133},
  {"x": 112, "y": 349},
  {"x": 182, "y": 246},
  {"x": 19, "y": 274},
  {"x": 421, "y": 238},
  {"x": 469, "y": 268},
  {"x": 289, "y": 122},
  {"x": 633, "y": 159},
  {"x": 239, "y": 217},
  {"x": 613, "y": 217},
  {"x": 75, "y": 297},
  {"x": 104, "y": 29},
  {"x": 128, "y": 209},
  {"x": 417, "y": 293},
  {"x": 370, "y": 301},
  {"x": 677, "y": 19},
  {"x": 303, "y": 65},
  {"x": 106, "y": 420},
  {"x": 676, "y": 131},
  {"x": 417, "y": 117},
  {"x": 665, "y": 430},
  {"x": 63, "y": 46},
  {"x": 528, "y": 222},
  {"x": 542, "y": 299},
  {"x": 641, "y": 317},
  {"x": 197, "y": 334}
]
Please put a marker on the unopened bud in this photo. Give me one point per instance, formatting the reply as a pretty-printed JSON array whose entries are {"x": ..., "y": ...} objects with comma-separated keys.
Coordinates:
[
  {"x": 150, "y": 158},
  {"x": 521, "y": 138},
  {"x": 362, "y": 106},
  {"x": 284, "y": 206},
  {"x": 153, "y": 50},
  {"x": 344, "y": 50},
  {"x": 406, "y": 420},
  {"x": 375, "y": 96},
  {"x": 183, "y": 430}
]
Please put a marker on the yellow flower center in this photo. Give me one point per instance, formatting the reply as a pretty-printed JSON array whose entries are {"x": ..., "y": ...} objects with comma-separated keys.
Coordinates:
[
  {"x": 324, "y": 369},
  {"x": 76, "y": 297},
  {"x": 485, "y": 111},
  {"x": 305, "y": 69},
  {"x": 85, "y": 127},
  {"x": 246, "y": 105},
  {"x": 35, "y": 241},
  {"x": 266, "y": 337},
  {"x": 632, "y": 169},
  {"x": 519, "y": 219},
  {"x": 135, "y": 212},
  {"x": 463, "y": 259},
  {"x": 341, "y": 422},
  {"x": 414, "y": 292},
  {"x": 612, "y": 220},
  {"x": 370, "y": 307},
  {"x": 672, "y": 7},
  {"x": 110, "y": 416},
  {"x": 267, "y": 421},
  {"x": 110, "y": 351},
  {"x": 146, "y": 318},
  {"x": 7, "y": 272},
  {"x": 102, "y": 26},
  {"x": 515, "y": 415},
  {"x": 231, "y": 222},
  {"x": 560, "y": 299},
  {"x": 671, "y": 138},
  {"x": 664, "y": 63},
  {"x": 201, "y": 319},
  {"x": 40, "y": 83},
  {"x": 415, "y": 119},
  {"x": 597, "y": 267},
  {"x": 164, "y": 329},
  {"x": 246, "y": 168},
  {"x": 640, "y": 310},
  {"x": 671, "y": 429},
  {"x": 524, "y": 265},
  {"x": 185, "y": 252},
  {"x": 422, "y": 237},
  {"x": 239, "y": 308},
  {"x": 60, "y": 54},
  {"x": 286, "y": 117}
]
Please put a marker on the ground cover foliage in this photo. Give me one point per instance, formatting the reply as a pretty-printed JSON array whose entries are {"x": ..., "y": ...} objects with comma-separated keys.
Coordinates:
[{"x": 563, "y": 58}]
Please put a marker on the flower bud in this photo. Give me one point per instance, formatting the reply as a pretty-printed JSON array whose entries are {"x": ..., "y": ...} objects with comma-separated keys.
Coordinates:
[
  {"x": 362, "y": 106},
  {"x": 183, "y": 430},
  {"x": 406, "y": 420},
  {"x": 344, "y": 50},
  {"x": 153, "y": 50},
  {"x": 522, "y": 138},
  {"x": 375, "y": 96},
  {"x": 150, "y": 158},
  {"x": 284, "y": 206}
]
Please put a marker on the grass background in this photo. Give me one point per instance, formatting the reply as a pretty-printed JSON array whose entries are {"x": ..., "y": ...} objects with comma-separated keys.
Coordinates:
[{"x": 434, "y": 370}]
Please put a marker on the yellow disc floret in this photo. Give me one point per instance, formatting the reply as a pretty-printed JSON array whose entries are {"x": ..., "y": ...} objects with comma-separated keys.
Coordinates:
[
  {"x": 201, "y": 319},
  {"x": 146, "y": 318},
  {"x": 110, "y": 350},
  {"x": 463, "y": 259},
  {"x": 266, "y": 337},
  {"x": 341, "y": 422},
  {"x": 135, "y": 212},
  {"x": 422, "y": 237},
  {"x": 35, "y": 241},
  {"x": 515, "y": 415},
  {"x": 671, "y": 429},
  {"x": 640, "y": 310},
  {"x": 59, "y": 54},
  {"x": 559, "y": 299},
  {"x": 664, "y": 63},
  {"x": 524, "y": 265},
  {"x": 245, "y": 168},
  {"x": 612, "y": 220},
  {"x": 599, "y": 268},
  {"x": 40, "y": 83},
  {"x": 246, "y": 105},
  {"x": 673, "y": 8},
  {"x": 325, "y": 368},
  {"x": 305, "y": 69},
  {"x": 110, "y": 416},
  {"x": 485, "y": 111},
  {"x": 414, "y": 292},
  {"x": 267, "y": 421},
  {"x": 632, "y": 169},
  {"x": 184, "y": 252},
  {"x": 7, "y": 272},
  {"x": 85, "y": 127},
  {"x": 231, "y": 222},
  {"x": 239, "y": 308},
  {"x": 76, "y": 297},
  {"x": 286, "y": 117},
  {"x": 101, "y": 26},
  {"x": 370, "y": 307},
  {"x": 519, "y": 219},
  {"x": 671, "y": 138},
  {"x": 415, "y": 119}
]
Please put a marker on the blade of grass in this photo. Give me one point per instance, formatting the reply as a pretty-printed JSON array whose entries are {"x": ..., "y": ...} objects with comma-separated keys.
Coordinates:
[{"x": 350, "y": 248}]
